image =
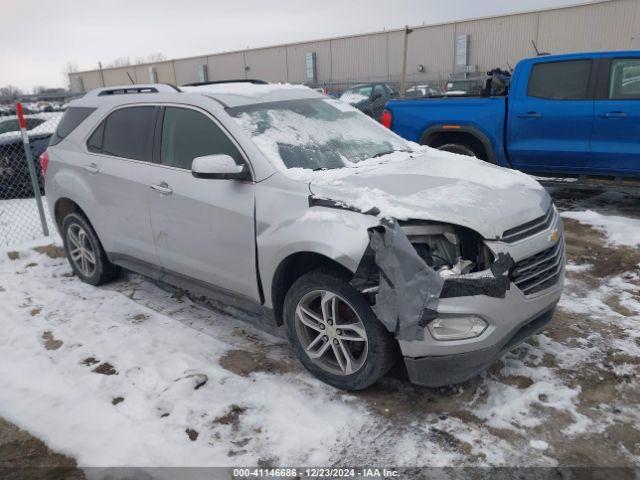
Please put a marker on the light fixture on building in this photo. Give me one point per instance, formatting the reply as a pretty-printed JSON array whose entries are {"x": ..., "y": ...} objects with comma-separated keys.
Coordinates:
[{"x": 421, "y": 68}]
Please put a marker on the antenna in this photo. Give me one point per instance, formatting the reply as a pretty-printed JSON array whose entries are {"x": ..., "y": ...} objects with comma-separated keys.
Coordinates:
[
  {"x": 535, "y": 47},
  {"x": 130, "y": 79},
  {"x": 538, "y": 52}
]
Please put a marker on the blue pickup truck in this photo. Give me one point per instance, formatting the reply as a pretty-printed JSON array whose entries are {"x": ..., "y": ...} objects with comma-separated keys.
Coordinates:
[{"x": 576, "y": 114}]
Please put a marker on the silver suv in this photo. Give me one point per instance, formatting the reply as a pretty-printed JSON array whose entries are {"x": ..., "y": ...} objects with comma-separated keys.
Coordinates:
[{"x": 368, "y": 248}]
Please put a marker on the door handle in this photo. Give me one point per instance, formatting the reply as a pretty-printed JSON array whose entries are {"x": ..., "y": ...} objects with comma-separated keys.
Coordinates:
[
  {"x": 92, "y": 168},
  {"x": 530, "y": 115},
  {"x": 615, "y": 115},
  {"x": 162, "y": 188}
]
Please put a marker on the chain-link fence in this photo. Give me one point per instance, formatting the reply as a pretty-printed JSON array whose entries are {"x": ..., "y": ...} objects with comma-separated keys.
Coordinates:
[{"x": 20, "y": 218}]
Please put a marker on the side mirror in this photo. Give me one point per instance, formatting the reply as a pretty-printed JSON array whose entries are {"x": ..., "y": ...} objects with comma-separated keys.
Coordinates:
[
  {"x": 221, "y": 167},
  {"x": 376, "y": 96}
]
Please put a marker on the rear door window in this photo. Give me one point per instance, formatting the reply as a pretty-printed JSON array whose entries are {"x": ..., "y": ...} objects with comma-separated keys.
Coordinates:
[
  {"x": 128, "y": 133},
  {"x": 187, "y": 134},
  {"x": 560, "y": 80}
]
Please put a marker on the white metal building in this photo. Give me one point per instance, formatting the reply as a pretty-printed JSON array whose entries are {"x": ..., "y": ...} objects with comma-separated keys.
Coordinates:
[{"x": 434, "y": 51}]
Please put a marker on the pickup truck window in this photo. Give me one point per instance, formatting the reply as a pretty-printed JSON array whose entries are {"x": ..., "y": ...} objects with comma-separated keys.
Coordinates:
[
  {"x": 560, "y": 80},
  {"x": 624, "y": 82}
]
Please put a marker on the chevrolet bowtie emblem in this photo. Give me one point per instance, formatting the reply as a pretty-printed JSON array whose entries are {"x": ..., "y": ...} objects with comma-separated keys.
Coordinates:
[{"x": 554, "y": 236}]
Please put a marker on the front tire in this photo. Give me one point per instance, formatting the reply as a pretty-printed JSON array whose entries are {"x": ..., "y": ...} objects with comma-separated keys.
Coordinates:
[
  {"x": 84, "y": 251},
  {"x": 458, "y": 148},
  {"x": 334, "y": 332}
]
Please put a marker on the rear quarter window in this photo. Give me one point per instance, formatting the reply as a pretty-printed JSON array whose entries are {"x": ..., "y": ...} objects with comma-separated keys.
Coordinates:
[{"x": 73, "y": 117}]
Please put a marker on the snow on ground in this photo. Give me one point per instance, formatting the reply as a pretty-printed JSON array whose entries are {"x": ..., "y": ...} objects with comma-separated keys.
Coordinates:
[
  {"x": 20, "y": 221},
  {"x": 619, "y": 230},
  {"x": 132, "y": 374}
]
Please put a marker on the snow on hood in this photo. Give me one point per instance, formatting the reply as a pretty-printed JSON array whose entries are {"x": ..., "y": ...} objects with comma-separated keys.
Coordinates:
[{"x": 434, "y": 185}]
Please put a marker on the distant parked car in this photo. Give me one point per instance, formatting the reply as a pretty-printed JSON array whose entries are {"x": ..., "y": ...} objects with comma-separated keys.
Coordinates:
[
  {"x": 422, "y": 91},
  {"x": 369, "y": 98},
  {"x": 464, "y": 86},
  {"x": 15, "y": 181}
]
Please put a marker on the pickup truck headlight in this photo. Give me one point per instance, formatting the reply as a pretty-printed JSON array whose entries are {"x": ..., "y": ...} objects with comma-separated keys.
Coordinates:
[{"x": 457, "y": 327}]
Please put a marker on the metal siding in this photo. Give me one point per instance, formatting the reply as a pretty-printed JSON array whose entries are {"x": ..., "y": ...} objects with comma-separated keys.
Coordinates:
[
  {"x": 429, "y": 46},
  {"x": 296, "y": 63},
  {"x": 226, "y": 66},
  {"x": 497, "y": 42},
  {"x": 187, "y": 69},
  {"x": 118, "y": 76},
  {"x": 607, "y": 25},
  {"x": 601, "y": 26},
  {"x": 362, "y": 58},
  {"x": 268, "y": 64},
  {"x": 90, "y": 80},
  {"x": 164, "y": 70}
]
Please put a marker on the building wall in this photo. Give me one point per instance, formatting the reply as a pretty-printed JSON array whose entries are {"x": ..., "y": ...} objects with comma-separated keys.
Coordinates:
[{"x": 494, "y": 42}]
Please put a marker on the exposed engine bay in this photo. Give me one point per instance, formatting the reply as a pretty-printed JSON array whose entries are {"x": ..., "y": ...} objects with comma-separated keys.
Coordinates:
[{"x": 448, "y": 249}]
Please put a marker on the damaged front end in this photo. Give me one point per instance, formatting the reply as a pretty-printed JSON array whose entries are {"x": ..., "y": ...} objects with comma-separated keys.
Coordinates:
[{"x": 408, "y": 266}]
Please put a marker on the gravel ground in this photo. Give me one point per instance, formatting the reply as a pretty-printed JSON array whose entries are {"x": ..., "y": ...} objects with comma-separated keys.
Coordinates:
[{"x": 567, "y": 397}]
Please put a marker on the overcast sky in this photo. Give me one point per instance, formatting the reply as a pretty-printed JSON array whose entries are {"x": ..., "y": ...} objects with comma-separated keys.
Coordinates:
[{"x": 37, "y": 37}]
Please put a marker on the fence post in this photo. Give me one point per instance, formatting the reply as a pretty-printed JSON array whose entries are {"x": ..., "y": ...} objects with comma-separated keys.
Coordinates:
[{"x": 32, "y": 168}]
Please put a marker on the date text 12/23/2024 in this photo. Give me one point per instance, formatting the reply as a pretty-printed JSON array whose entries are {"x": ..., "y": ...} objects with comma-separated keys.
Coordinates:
[{"x": 314, "y": 473}]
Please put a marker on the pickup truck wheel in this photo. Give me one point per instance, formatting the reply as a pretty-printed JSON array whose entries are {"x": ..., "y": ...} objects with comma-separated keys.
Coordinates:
[
  {"x": 334, "y": 332},
  {"x": 84, "y": 251},
  {"x": 457, "y": 148}
]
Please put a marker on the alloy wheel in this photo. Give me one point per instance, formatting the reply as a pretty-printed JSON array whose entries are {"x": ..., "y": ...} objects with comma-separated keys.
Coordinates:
[
  {"x": 81, "y": 251},
  {"x": 331, "y": 332}
]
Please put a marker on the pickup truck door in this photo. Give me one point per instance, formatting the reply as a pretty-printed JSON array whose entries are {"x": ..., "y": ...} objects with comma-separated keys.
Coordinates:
[
  {"x": 615, "y": 143},
  {"x": 203, "y": 228},
  {"x": 551, "y": 116}
]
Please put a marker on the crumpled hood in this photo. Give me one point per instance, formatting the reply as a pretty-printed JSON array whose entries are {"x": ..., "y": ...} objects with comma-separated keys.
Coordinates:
[{"x": 439, "y": 186}]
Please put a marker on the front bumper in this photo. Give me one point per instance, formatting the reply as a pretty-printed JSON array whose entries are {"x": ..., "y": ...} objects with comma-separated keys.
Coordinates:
[
  {"x": 439, "y": 371},
  {"x": 511, "y": 319}
]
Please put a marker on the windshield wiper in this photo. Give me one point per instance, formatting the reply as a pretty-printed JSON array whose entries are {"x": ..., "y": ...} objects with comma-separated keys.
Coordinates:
[{"x": 381, "y": 154}]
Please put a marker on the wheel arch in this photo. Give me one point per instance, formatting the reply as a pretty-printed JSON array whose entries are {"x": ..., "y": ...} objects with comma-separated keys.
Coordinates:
[
  {"x": 437, "y": 135},
  {"x": 63, "y": 207},
  {"x": 293, "y": 267}
]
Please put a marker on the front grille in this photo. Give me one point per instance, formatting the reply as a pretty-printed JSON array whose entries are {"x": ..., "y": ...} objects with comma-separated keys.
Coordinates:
[
  {"x": 530, "y": 228},
  {"x": 539, "y": 271}
]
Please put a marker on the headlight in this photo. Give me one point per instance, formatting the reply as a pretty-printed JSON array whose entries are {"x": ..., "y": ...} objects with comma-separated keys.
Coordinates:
[{"x": 457, "y": 327}]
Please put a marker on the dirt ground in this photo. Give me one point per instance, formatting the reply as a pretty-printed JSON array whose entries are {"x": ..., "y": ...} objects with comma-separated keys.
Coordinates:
[
  {"x": 23, "y": 456},
  {"x": 607, "y": 381}
]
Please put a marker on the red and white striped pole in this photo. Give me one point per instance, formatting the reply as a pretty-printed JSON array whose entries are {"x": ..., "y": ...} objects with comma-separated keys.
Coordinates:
[{"x": 32, "y": 168}]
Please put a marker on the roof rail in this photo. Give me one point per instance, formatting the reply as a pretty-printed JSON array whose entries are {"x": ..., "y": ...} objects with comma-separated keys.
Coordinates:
[
  {"x": 247, "y": 80},
  {"x": 128, "y": 89}
]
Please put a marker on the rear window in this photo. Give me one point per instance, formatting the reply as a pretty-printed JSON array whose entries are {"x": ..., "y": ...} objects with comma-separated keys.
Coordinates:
[
  {"x": 73, "y": 117},
  {"x": 560, "y": 80}
]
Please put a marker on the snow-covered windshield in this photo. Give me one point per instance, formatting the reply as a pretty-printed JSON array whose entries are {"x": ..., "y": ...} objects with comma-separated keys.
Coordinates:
[{"x": 315, "y": 133}]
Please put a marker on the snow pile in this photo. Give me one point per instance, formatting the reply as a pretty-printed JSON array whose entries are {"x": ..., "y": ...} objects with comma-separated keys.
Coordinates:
[{"x": 622, "y": 231}]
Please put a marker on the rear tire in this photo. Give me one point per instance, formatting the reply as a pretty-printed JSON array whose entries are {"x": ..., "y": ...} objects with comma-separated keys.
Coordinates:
[
  {"x": 346, "y": 364},
  {"x": 84, "y": 251},
  {"x": 458, "y": 148}
]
